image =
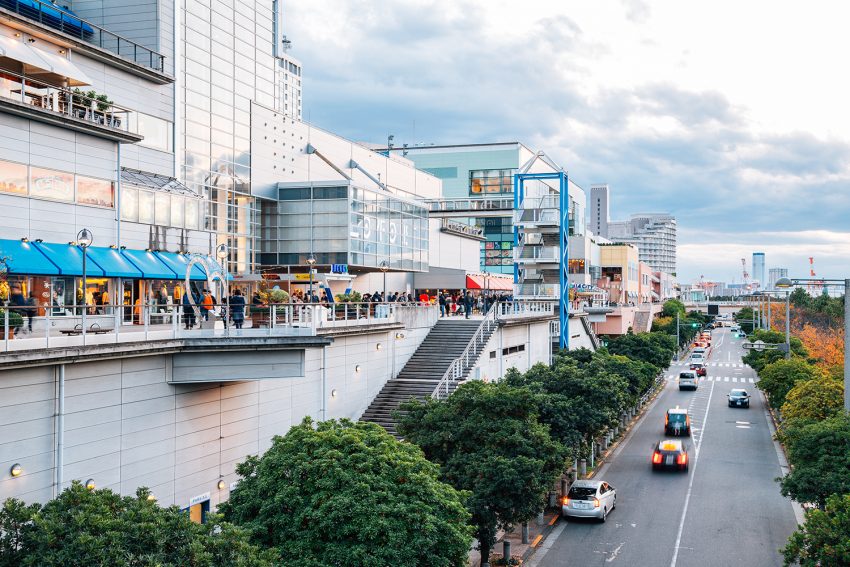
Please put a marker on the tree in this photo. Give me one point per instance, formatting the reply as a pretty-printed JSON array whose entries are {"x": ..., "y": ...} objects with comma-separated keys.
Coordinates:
[
  {"x": 745, "y": 318},
  {"x": 488, "y": 441},
  {"x": 824, "y": 539},
  {"x": 344, "y": 493},
  {"x": 759, "y": 359},
  {"x": 99, "y": 527},
  {"x": 819, "y": 453},
  {"x": 824, "y": 344},
  {"x": 671, "y": 307},
  {"x": 817, "y": 399},
  {"x": 654, "y": 348},
  {"x": 777, "y": 379}
]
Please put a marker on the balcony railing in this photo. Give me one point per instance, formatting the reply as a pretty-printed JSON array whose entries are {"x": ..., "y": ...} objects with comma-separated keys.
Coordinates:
[
  {"x": 52, "y": 16},
  {"x": 69, "y": 326},
  {"x": 532, "y": 253},
  {"x": 63, "y": 101}
]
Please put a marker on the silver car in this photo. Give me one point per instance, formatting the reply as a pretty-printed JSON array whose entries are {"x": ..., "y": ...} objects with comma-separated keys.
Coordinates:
[{"x": 589, "y": 499}]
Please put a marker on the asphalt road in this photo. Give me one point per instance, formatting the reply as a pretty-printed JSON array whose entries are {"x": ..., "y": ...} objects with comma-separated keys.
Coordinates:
[{"x": 726, "y": 510}]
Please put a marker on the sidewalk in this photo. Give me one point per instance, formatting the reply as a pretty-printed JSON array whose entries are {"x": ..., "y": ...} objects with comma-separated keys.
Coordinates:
[{"x": 537, "y": 530}]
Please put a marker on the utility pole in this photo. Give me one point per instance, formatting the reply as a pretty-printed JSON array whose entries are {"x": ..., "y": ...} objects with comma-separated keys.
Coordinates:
[{"x": 677, "y": 336}]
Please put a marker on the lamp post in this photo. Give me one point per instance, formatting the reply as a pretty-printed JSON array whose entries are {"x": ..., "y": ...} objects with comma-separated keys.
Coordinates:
[
  {"x": 789, "y": 282},
  {"x": 384, "y": 267},
  {"x": 221, "y": 253},
  {"x": 311, "y": 261},
  {"x": 84, "y": 240}
]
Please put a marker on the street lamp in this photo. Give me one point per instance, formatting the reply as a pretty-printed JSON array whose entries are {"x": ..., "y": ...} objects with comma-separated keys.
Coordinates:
[
  {"x": 789, "y": 282},
  {"x": 311, "y": 261},
  {"x": 384, "y": 267},
  {"x": 221, "y": 253},
  {"x": 84, "y": 240}
]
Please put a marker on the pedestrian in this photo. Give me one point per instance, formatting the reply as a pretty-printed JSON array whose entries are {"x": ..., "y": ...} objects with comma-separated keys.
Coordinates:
[
  {"x": 17, "y": 302},
  {"x": 237, "y": 308},
  {"x": 32, "y": 309},
  {"x": 188, "y": 311},
  {"x": 441, "y": 299},
  {"x": 207, "y": 304},
  {"x": 468, "y": 302}
]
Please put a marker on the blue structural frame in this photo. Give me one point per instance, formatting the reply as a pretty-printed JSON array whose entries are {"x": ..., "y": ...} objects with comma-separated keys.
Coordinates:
[{"x": 564, "y": 277}]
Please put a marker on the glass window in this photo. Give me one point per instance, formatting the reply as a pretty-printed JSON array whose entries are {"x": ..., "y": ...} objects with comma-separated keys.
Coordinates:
[
  {"x": 192, "y": 211},
  {"x": 491, "y": 181},
  {"x": 177, "y": 211},
  {"x": 13, "y": 177},
  {"x": 158, "y": 133},
  {"x": 98, "y": 192},
  {"x": 51, "y": 184},
  {"x": 146, "y": 207},
  {"x": 163, "y": 208},
  {"x": 129, "y": 204}
]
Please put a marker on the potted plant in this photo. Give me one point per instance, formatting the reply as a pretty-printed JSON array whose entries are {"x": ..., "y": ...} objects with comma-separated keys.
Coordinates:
[
  {"x": 16, "y": 321},
  {"x": 103, "y": 102}
]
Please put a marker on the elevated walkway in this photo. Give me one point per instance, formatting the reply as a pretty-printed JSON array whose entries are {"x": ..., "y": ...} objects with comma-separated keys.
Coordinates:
[{"x": 477, "y": 207}]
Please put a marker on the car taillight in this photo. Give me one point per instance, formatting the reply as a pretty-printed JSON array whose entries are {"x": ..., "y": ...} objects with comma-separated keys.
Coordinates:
[
  {"x": 682, "y": 459},
  {"x": 656, "y": 458},
  {"x": 596, "y": 502},
  {"x": 566, "y": 501}
]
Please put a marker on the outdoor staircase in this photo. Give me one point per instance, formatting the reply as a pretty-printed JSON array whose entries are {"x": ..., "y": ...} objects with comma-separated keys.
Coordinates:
[
  {"x": 643, "y": 321},
  {"x": 429, "y": 366}
]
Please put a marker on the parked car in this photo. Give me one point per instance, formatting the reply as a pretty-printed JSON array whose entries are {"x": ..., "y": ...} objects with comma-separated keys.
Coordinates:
[
  {"x": 677, "y": 422},
  {"x": 670, "y": 454},
  {"x": 688, "y": 380},
  {"x": 589, "y": 499},
  {"x": 738, "y": 398}
]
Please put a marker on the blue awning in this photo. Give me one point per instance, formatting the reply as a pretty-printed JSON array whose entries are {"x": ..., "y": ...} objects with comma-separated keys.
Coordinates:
[
  {"x": 69, "y": 259},
  {"x": 114, "y": 264},
  {"x": 25, "y": 258},
  {"x": 150, "y": 265},
  {"x": 179, "y": 262}
]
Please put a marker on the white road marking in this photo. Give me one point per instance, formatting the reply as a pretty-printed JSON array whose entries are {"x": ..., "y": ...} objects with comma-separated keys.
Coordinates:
[
  {"x": 751, "y": 381},
  {"x": 725, "y": 378},
  {"x": 698, "y": 444},
  {"x": 734, "y": 378},
  {"x": 742, "y": 426},
  {"x": 615, "y": 553}
]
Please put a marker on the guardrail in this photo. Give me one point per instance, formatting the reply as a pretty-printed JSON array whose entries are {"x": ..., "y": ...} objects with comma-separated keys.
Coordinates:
[
  {"x": 85, "y": 325},
  {"x": 53, "y": 16},
  {"x": 459, "y": 366}
]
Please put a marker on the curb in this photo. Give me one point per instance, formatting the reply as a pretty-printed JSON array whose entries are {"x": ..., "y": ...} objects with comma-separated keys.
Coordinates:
[{"x": 602, "y": 459}]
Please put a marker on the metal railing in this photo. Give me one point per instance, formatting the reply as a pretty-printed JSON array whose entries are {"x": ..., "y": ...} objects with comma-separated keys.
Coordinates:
[
  {"x": 64, "y": 101},
  {"x": 471, "y": 204},
  {"x": 65, "y": 325},
  {"x": 537, "y": 252},
  {"x": 52, "y": 16},
  {"x": 459, "y": 366}
]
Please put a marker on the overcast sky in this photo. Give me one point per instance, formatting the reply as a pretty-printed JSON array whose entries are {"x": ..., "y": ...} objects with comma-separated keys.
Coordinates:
[{"x": 730, "y": 115}]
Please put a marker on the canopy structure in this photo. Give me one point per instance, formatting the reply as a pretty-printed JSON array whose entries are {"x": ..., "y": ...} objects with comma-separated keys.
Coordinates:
[
  {"x": 19, "y": 257},
  {"x": 113, "y": 263},
  {"x": 69, "y": 259},
  {"x": 494, "y": 283},
  {"x": 150, "y": 265},
  {"x": 178, "y": 263}
]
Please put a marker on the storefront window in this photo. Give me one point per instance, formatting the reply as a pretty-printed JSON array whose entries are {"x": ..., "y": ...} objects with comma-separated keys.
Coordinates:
[
  {"x": 13, "y": 177},
  {"x": 129, "y": 204},
  {"x": 145, "y": 207},
  {"x": 98, "y": 192},
  {"x": 51, "y": 184}
]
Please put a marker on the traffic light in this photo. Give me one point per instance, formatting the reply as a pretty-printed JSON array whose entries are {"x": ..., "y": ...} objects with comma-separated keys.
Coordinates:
[{"x": 694, "y": 325}]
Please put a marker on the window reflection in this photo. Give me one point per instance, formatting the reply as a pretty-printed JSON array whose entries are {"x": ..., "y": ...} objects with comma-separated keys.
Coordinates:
[
  {"x": 91, "y": 191},
  {"x": 129, "y": 204},
  {"x": 13, "y": 177},
  {"x": 51, "y": 184},
  {"x": 162, "y": 208},
  {"x": 146, "y": 207}
]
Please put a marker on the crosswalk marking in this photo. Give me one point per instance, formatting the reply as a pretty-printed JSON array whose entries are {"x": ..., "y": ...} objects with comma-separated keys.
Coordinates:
[
  {"x": 725, "y": 378},
  {"x": 734, "y": 378}
]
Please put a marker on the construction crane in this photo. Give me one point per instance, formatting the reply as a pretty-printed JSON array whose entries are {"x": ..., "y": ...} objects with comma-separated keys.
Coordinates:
[
  {"x": 747, "y": 285},
  {"x": 815, "y": 286}
]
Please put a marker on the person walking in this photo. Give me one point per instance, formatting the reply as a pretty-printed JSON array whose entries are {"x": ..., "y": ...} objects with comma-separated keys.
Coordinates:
[
  {"x": 207, "y": 305},
  {"x": 441, "y": 299},
  {"x": 237, "y": 308},
  {"x": 468, "y": 302},
  {"x": 188, "y": 311}
]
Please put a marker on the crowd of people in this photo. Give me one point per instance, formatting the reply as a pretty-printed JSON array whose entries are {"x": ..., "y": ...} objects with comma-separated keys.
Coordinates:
[{"x": 232, "y": 309}]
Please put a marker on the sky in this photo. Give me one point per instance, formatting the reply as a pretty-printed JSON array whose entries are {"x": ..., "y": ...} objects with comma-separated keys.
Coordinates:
[{"x": 730, "y": 115}]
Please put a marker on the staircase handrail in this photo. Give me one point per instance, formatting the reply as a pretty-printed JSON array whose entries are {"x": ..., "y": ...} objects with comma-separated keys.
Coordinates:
[{"x": 460, "y": 364}]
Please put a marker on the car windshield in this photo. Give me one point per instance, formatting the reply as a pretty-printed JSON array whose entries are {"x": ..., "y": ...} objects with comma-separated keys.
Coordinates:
[
  {"x": 582, "y": 493},
  {"x": 739, "y": 392},
  {"x": 676, "y": 417},
  {"x": 686, "y": 375}
]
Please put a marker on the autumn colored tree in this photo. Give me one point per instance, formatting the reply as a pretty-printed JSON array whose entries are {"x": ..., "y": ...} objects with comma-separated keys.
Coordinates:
[
  {"x": 817, "y": 399},
  {"x": 825, "y": 345}
]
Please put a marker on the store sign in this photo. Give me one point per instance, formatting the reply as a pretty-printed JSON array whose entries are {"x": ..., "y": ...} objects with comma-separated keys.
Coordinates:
[
  {"x": 199, "y": 498},
  {"x": 339, "y": 268},
  {"x": 584, "y": 287},
  {"x": 301, "y": 277}
]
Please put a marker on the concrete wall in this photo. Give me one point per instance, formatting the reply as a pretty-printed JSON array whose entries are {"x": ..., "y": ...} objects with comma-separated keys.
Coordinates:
[
  {"x": 495, "y": 361},
  {"x": 127, "y": 426}
]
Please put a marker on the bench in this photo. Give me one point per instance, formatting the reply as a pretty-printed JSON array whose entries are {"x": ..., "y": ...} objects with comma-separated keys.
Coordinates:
[{"x": 94, "y": 329}]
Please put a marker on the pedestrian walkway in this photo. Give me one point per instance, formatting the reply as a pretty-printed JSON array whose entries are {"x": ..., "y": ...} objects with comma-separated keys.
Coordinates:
[{"x": 731, "y": 379}]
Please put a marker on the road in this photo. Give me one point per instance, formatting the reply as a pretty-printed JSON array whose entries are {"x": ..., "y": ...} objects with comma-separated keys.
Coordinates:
[{"x": 726, "y": 510}]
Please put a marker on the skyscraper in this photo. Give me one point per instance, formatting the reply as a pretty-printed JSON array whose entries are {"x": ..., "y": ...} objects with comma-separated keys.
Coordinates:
[
  {"x": 758, "y": 268},
  {"x": 599, "y": 211},
  {"x": 773, "y": 276},
  {"x": 653, "y": 233}
]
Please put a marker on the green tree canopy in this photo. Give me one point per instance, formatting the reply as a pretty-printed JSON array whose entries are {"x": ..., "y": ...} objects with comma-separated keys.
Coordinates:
[
  {"x": 344, "y": 493},
  {"x": 99, "y": 527},
  {"x": 819, "y": 453},
  {"x": 824, "y": 540},
  {"x": 487, "y": 440},
  {"x": 759, "y": 359},
  {"x": 817, "y": 399},
  {"x": 671, "y": 307},
  {"x": 744, "y": 318},
  {"x": 654, "y": 348},
  {"x": 777, "y": 379}
]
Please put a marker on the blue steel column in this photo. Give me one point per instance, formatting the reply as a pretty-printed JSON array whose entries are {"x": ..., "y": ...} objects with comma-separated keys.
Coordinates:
[
  {"x": 518, "y": 190},
  {"x": 564, "y": 229}
]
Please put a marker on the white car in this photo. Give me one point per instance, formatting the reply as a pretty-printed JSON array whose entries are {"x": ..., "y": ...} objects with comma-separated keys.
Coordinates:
[
  {"x": 688, "y": 380},
  {"x": 589, "y": 499}
]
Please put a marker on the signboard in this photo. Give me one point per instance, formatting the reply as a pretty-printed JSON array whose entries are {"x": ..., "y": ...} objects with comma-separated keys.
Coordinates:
[
  {"x": 339, "y": 268},
  {"x": 199, "y": 498}
]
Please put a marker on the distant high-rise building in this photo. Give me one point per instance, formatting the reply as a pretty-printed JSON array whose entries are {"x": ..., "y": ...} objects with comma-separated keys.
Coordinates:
[
  {"x": 654, "y": 234},
  {"x": 599, "y": 212},
  {"x": 758, "y": 268},
  {"x": 773, "y": 276}
]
